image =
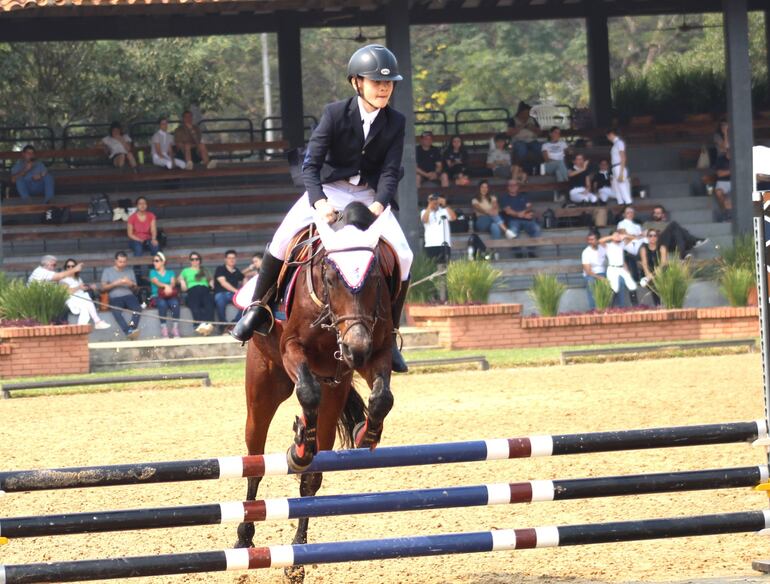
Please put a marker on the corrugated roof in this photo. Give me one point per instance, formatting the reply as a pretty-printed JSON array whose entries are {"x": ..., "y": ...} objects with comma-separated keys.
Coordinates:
[{"x": 9, "y": 5}]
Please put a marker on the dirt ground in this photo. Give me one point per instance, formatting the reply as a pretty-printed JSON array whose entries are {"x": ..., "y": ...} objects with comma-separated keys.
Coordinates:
[{"x": 195, "y": 422}]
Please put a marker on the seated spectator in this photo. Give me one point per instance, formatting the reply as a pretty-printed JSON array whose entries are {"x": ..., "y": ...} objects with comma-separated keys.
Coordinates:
[
  {"x": 554, "y": 151},
  {"x": 723, "y": 186},
  {"x": 120, "y": 283},
  {"x": 673, "y": 236},
  {"x": 435, "y": 221},
  {"x": 253, "y": 269},
  {"x": 580, "y": 182},
  {"x": 80, "y": 303},
  {"x": 601, "y": 183},
  {"x": 524, "y": 131},
  {"x": 652, "y": 255},
  {"x": 142, "y": 230},
  {"x": 165, "y": 294},
  {"x": 594, "y": 260},
  {"x": 488, "y": 214},
  {"x": 188, "y": 141},
  {"x": 621, "y": 181},
  {"x": 498, "y": 157},
  {"x": 196, "y": 283},
  {"x": 617, "y": 270},
  {"x": 455, "y": 161},
  {"x": 46, "y": 271},
  {"x": 518, "y": 174},
  {"x": 428, "y": 159},
  {"x": 163, "y": 147},
  {"x": 31, "y": 177},
  {"x": 628, "y": 226},
  {"x": 721, "y": 141},
  {"x": 518, "y": 214},
  {"x": 227, "y": 280},
  {"x": 119, "y": 148}
]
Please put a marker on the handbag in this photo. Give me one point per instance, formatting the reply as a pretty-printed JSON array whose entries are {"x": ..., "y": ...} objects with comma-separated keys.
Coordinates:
[
  {"x": 704, "y": 160},
  {"x": 162, "y": 293}
]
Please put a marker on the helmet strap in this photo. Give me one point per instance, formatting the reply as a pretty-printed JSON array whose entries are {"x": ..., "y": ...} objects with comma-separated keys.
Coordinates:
[{"x": 361, "y": 93}]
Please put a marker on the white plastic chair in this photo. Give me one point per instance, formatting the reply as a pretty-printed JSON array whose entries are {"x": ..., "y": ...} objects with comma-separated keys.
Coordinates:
[{"x": 548, "y": 115}]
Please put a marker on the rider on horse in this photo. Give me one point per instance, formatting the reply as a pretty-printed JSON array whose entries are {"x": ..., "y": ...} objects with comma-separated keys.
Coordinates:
[{"x": 354, "y": 154}]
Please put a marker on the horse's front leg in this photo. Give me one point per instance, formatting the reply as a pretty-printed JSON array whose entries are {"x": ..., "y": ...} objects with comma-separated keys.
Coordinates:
[
  {"x": 369, "y": 433},
  {"x": 308, "y": 390}
]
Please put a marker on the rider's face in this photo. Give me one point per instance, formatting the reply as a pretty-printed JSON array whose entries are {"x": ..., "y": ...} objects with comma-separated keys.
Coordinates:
[{"x": 376, "y": 92}]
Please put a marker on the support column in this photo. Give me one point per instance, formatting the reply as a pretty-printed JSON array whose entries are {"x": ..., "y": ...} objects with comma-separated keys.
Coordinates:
[
  {"x": 599, "y": 82},
  {"x": 290, "y": 80},
  {"x": 397, "y": 35},
  {"x": 767, "y": 43},
  {"x": 739, "y": 111}
]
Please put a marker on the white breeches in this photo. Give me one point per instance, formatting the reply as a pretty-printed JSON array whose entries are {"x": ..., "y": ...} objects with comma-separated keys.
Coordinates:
[
  {"x": 167, "y": 162},
  {"x": 339, "y": 195},
  {"x": 582, "y": 195},
  {"x": 605, "y": 193},
  {"x": 84, "y": 309},
  {"x": 615, "y": 274},
  {"x": 622, "y": 190}
]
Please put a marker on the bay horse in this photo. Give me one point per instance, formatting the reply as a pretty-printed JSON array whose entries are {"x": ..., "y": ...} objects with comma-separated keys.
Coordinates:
[{"x": 338, "y": 322}]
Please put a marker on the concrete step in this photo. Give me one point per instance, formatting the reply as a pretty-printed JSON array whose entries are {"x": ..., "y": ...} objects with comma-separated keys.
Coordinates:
[{"x": 655, "y": 177}]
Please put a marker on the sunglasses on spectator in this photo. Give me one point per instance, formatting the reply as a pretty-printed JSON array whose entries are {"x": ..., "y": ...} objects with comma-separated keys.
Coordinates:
[
  {"x": 652, "y": 235},
  {"x": 195, "y": 259},
  {"x": 156, "y": 260},
  {"x": 68, "y": 266}
]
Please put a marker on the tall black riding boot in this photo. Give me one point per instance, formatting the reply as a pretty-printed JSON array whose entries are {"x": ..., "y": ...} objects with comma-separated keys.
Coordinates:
[
  {"x": 258, "y": 318},
  {"x": 634, "y": 297},
  {"x": 399, "y": 364}
]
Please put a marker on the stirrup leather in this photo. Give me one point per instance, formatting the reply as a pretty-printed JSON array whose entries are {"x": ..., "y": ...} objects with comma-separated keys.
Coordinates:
[{"x": 257, "y": 304}]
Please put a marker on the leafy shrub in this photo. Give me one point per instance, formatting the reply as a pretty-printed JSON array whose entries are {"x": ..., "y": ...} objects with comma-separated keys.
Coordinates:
[
  {"x": 4, "y": 281},
  {"x": 425, "y": 291},
  {"x": 603, "y": 294},
  {"x": 40, "y": 301},
  {"x": 469, "y": 282},
  {"x": 547, "y": 292},
  {"x": 671, "y": 282},
  {"x": 741, "y": 254},
  {"x": 735, "y": 284}
]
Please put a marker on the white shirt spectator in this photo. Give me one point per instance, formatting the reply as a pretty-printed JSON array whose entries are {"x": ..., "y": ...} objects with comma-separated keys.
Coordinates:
[
  {"x": 615, "y": 254},
  {"x": 71, "y": 282},
  {"x": 437, "y": 228},
  {"x": 555, "y": 150},
  {"x": 617, "y": 147},
  {"x": 496, "y": 157},
  {"x": 115, "y": 146},
  {"x": 164, "y": 139},
  {"x": 596, "y": 258},
  {"x": 632, "y": 228},
  {"x": 41, "y": 274}
]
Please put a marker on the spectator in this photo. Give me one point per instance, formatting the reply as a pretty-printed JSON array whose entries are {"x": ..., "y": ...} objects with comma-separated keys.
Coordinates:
[
  {"x": 594, "y": 260},
  {"x": 227, "y": 280},
  {"x": 120, "y": 283},
  {"x": 518, "y": 213},
  {"x": 524, "y": 130},
  {"x": 721, "y": 139},
  {"x": 253, "y": 269},
  {"x": 31, "y": 177},
  {"x": 554, "y": 151},
  {"x": 428, "y": 159},
  {"x": 723, "y": 186},
  {"x": 601, "y": 184},
  {"x": 673, "y": 236},
  {"x": 498, "y": 157},
  {"x": 118, "y": 146},
  {"x": 196, "y": 283},
  {"x": 621, "y": 182},
  {"x": 46, "y": 271},
  {"x": 518, "y": 174},
  {"x": 79, "y": 302},
  {"x": 488, "y": 214},
  {"x": 188, "y": 141},
  {"x": 617, "y": 271},
  {"x": 435, "y": 220},
  {"x": 165, "y": 294},
  {"x": 628, "y": 226},
  {"x": 455, "y": 160},
  {"x": 652, "y": 255},
  {"x": 163, "y": 147},
  {"x": 142, "y": 230},
  {"x": 580, "y": 182}
]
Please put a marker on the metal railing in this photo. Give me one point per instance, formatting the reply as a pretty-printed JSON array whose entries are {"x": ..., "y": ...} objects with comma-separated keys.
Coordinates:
[
  {"x": 14, "y": 138},
  {"x": 84, "y": 135},
  {"x": 433, "y": 120},
  {"x": 472, "y": 120}
]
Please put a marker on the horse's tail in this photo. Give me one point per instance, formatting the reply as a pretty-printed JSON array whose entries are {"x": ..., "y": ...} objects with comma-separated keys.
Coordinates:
[{"x": 354, "y": 412}]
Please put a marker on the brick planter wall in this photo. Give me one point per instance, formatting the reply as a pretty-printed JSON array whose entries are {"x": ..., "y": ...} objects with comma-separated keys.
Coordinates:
[
  {"x": 502, "y": 326},
  {"x": 43, "y": 350}
]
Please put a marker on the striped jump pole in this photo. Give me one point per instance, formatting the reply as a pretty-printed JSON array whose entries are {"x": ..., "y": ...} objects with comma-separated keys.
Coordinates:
[
  {"x": 393, "y": 501},
  {"x": 381, "y": 549},
  {"x": 383, "y": 457}
]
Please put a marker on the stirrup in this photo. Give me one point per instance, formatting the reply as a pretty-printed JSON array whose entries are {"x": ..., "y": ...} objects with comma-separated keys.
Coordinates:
[{"x": 260, "y": 330}]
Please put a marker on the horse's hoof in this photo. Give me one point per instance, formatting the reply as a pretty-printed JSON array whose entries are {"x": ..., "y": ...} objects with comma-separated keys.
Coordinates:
[
  {"x": 363, "y": 437},
  {"x": 297, "y": 463},
  {"x": 295, "y": 574}
]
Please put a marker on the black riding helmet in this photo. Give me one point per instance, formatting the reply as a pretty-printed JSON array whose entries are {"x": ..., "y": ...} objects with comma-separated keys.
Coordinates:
[{"x": 374, "y": 62}]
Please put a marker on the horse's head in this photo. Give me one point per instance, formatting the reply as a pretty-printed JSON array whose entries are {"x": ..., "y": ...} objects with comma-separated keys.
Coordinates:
[{"x": 352, "y": 292}]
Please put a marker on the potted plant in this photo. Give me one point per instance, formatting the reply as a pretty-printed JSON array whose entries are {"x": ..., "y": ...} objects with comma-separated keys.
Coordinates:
[
  {"x": 603, "y": 294},
  {"x": 470, "y": 282},
  {"x": 671, "y": 282},
  {"x": 547, "y": 291}
]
